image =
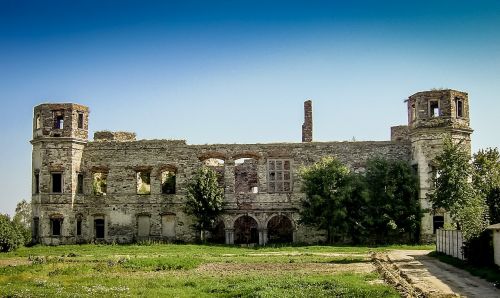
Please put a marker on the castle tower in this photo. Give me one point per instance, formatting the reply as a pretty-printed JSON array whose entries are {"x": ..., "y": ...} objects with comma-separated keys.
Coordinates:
[
  {"x": 60, "y": 132},
  {"x": 433, "y": 115}
]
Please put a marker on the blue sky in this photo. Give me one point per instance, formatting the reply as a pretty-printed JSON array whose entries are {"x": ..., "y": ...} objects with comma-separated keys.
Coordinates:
[{"x": 239, "y": 71}]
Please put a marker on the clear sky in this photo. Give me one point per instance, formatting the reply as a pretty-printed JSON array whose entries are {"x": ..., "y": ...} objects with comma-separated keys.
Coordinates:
[{"x": 239, "y": 71}]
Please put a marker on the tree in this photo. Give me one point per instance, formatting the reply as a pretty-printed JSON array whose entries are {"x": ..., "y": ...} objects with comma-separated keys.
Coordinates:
[
  {"x": 10, "y": 236},
  {"x": 486, "y": 180},
  {"x": 395, "y": 206},
  {"x": 205, "y": 199},
  {"x": 22, "y": 220},
  {"x": 328, "y": 186},
  {"x": 454, "y": 190}
]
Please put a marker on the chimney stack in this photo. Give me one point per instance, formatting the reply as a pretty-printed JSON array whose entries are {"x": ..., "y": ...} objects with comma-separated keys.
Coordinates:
[{"x": 307, "y": 127}]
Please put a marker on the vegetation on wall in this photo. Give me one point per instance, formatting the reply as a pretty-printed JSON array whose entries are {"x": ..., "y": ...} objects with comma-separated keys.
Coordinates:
[
  {"x": 486, "y": 180},
  {"x": 381, "y": 206},
  {"x": 204, "y": 199}
]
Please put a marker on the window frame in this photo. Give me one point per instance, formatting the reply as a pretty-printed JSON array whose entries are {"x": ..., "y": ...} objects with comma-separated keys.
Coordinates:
[
  {"x": 80, "y": 119},
  {"x": 431, "y": 110},
  {"x": 459, "y": 108},
  {"x": 80, "y": 183},
  {"x": 60, "y": 223},
  {"x": 277, "y": 181},
  {"x": 137, "y": 175}
]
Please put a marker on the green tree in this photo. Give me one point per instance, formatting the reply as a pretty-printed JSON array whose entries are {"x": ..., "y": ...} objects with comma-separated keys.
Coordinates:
[
  {"x": 205, "y": 199},
  {"x": 454, "y": 190},
  {"x": 10, "y": 236},
  {"x": 486, "y": 180},
  {"x": 328, "y": 186},
  {"x": 22, "y": 220},
  {"x": 395, "y": 207}
]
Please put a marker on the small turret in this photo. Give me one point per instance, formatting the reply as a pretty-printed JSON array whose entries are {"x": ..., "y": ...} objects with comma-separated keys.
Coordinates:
[{"x": 65, "y": 120}]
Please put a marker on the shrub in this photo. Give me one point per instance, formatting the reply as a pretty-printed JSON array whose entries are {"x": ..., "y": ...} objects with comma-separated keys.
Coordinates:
[{"x": 11, "y": 236}]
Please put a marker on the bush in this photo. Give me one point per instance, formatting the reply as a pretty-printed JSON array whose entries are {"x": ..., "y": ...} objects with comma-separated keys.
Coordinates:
[{"x": 11, "y": 236}]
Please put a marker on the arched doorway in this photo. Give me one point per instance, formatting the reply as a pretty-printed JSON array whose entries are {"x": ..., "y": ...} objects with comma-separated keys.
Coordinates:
[
  {"x": 218, "y": 233},
  {"x": 280, "y": 229},
  {"x": 245, "y": 230}
]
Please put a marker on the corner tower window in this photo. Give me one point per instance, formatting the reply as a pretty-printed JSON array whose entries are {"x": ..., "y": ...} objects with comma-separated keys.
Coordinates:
[
  {"x": 279, "y": 175},
  {"x": 37, "y": 183},
  {"x": 38, "y": 123},
  {"x": 80, "y": 120},
  {"x": 144, "y": 182},
  {"x": 99, "y": 227},
  {"x": 460, "y": 108},
  {"x": 59, "y": 119},
  {"x": 434, "y": 108},
  {"x": 57, "y": 183}
]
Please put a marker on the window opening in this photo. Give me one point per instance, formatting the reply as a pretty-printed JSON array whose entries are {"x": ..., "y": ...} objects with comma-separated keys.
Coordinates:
[
  {"x": 59, "y": 121},
  {"x": 99, "y": 183},
  {"x": 79, "y": 184},
  {"x": 37, "y": 183},
  {"x": 460, "y": 108},
  {"x": 38, "y": 121},
  {"x": 168, "y": 182},
  {"x": 279, "y": 175},
  {"x": 80, "y": 120},
  {"x": 57, "y": 183},
  {"x": 218, "y": 166},
  {"x": 438, "y": 222},
  {"x": 79, "y": 227},
  {"x": 434, "y": 108},
  {"x": 144, "y": 182},
  {"x": 99, "y": 228},
  {"x": 56, "y": 224},
  {"x": 245, "y": 176}
]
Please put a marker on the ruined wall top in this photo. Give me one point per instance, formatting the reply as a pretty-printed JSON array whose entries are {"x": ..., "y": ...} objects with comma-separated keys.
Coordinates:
[
  {"x": 307, "y": 127},
  {"x": 116, "y": 136}
]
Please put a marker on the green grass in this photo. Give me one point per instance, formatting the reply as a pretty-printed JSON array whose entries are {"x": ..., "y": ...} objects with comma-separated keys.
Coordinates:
[
  {"x": 490, "y": 273},
  {"x": 190, "y": 271}
]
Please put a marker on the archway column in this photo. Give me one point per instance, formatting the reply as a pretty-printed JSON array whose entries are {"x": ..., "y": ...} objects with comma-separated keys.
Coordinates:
[
  {"x": 229, "y": 236},
  {"x": 263, "y": 237}
]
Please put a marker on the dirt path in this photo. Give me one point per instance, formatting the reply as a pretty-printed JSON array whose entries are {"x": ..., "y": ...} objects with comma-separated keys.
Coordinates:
[{"x": 438, "y": 279}]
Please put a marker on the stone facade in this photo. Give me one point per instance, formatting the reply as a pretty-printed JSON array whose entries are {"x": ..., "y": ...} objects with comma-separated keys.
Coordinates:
[{"x": 118, "y": 189}]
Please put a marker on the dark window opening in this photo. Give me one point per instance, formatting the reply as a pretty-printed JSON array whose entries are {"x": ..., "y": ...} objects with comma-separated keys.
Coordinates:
[
  {"x": 36, "y": 222},
  {"x": 434, "y": 108},
  {"x": 59, "y": 122},
  {"x": 57, "y": 183},
  {"x": 79, "y": 184},
  {"x": 168, "y": 182},
  {"x": 413, "y": 113},
  {"x": 80, "y": 120},
  {"x": 79, "y": 227},
  {"x": 56, "y": 224},
  {"x": 460, "y": 108},
  {"x": 99, "y": 228},
  {"x": 37, "y": 183},
  {"x": 437, "y": 222}
]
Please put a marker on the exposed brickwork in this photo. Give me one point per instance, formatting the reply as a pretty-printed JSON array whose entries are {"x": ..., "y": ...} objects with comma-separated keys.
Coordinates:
[
  {"x": 129, "y": 216},
  {"x": 307, "y": 127}
]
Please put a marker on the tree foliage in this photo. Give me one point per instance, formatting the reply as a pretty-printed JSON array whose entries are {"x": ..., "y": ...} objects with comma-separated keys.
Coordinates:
[
  {"x": 382, "y": 203},
  {"x": 454, "y": 190},
  {"x": 22, "y": 219},
  {"x": 205, "y": 199},
  {"x": 395, "y": 206},
  {"x": 11, "y": 236},
  {"x": 486, "y": 180}
]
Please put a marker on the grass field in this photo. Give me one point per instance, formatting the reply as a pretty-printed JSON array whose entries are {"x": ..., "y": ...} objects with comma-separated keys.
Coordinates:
[{"x": 191, "y": 271}]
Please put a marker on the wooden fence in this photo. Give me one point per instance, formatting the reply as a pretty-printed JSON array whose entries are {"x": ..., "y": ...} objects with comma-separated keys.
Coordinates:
[{"x": 450, "y": 242}]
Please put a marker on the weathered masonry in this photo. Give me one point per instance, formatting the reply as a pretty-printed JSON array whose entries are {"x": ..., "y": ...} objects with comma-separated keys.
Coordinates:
[{"x": 119, "y": 189}]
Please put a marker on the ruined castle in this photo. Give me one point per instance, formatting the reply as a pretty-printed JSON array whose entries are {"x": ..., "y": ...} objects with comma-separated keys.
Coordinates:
[{"x": 119, "y": 189}]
